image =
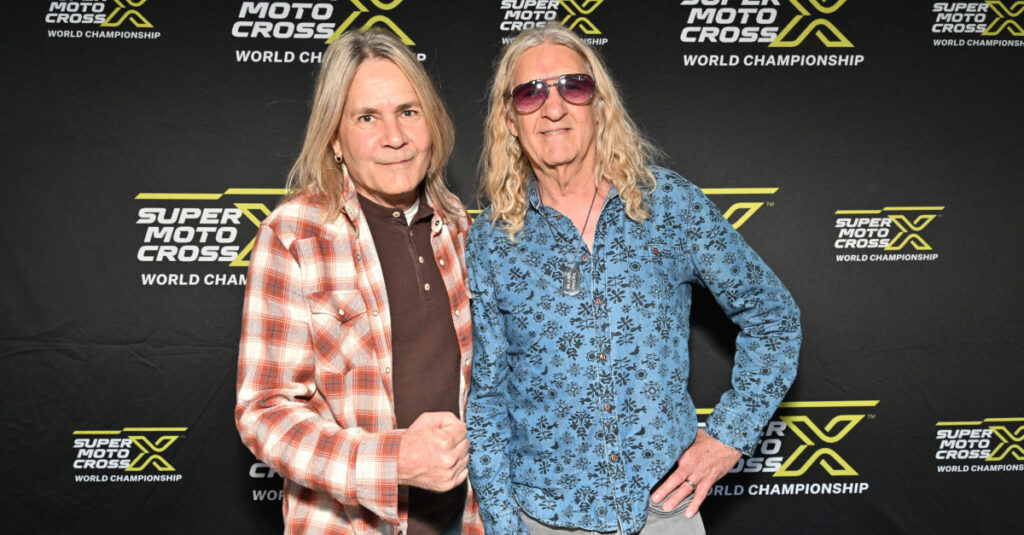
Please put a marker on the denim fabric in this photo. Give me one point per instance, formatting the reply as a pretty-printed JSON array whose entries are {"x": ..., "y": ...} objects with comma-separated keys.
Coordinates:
[{"x": 579, "y": 403}]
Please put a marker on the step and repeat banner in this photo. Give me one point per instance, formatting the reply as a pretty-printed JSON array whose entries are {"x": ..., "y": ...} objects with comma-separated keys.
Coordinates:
[{"x": 870, "y": 150}]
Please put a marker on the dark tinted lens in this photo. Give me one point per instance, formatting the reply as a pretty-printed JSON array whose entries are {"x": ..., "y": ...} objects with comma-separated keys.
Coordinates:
[
  {"x": 529, "y": 96},
  {"x": 576, "y": 88}
]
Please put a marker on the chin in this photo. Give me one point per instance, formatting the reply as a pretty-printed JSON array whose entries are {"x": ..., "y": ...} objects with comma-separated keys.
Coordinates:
[
  {"x": 561, "y": 160},
  {"x": 406, "y": 185}
]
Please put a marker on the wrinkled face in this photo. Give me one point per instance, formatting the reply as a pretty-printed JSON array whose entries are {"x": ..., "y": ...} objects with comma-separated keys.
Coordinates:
[
  {"x": 558, "y": 133},
  {"x": 383, "y": 135}
]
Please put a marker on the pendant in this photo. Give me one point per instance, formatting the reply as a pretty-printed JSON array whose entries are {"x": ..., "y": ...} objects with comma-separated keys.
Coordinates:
[{"x": 571, "y": 279}]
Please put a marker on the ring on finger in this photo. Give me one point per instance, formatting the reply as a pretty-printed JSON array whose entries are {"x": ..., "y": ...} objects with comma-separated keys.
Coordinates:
[{"x": 691, "y": 483}]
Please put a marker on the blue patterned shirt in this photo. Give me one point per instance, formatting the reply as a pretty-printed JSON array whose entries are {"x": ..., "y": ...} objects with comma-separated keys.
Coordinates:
[{"x": 578, "y": 404}]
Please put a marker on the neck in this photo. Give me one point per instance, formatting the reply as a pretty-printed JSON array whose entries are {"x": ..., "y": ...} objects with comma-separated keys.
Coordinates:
[
  {"x": 402, "y": 201},
  {"x": 579, "y": 200},
  {"x": 566, "y": 191}
]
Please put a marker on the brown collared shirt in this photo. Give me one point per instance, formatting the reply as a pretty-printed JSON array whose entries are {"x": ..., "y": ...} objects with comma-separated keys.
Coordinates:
[{"x": 424, "y": 345}]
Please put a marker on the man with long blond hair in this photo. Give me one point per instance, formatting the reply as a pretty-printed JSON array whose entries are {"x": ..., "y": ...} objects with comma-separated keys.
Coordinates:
[
  {"x": 355, "y": 353},
  {"x": 581, "y": 271}
]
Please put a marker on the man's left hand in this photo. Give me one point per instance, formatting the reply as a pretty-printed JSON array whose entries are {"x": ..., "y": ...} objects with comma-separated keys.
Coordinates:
[{"x": 698, "y": 468}]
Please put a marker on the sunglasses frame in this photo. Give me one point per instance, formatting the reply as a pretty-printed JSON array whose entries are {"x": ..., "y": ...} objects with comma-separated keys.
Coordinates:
[{"x": 559, "y": 83}]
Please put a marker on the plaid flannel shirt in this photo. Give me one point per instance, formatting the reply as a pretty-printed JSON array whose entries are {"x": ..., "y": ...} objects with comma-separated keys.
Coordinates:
[{"x": 315, "y": 398}]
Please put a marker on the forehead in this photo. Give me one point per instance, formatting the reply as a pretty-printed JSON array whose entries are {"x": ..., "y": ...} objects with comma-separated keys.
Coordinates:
[
  {"x": 546, "y": 60},
  {"x": 378, "y": 81}
]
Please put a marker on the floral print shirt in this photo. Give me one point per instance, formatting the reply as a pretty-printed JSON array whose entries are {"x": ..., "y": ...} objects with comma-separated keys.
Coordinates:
[{"x": 579, "y": 404}]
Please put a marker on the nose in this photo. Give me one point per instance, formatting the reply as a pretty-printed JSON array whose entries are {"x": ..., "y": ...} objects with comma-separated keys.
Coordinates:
[
  {"x": 554, "y": 107},
  {"x": 394, "y": 134}
]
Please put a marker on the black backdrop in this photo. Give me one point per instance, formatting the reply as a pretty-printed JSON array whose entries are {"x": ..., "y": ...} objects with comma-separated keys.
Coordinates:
[{"x": 143, "y": 145}]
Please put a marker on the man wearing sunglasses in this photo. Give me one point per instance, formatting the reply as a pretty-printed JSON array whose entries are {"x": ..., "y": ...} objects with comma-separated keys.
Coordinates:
[{"x": 581, "y": 272}]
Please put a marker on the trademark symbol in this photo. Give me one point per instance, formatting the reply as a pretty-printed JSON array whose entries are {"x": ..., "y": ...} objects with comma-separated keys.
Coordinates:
[{"x": 871, "y": 417}]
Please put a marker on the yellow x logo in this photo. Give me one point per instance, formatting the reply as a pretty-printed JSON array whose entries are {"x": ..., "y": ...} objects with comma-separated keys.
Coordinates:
[
  {"x": 122, "y": 12},
  {"x": 909, "y": 232},
  {"x": 577, "y": 10},
  {"x": 745, "y": 210},
  {"x": 372, "y": 21},
  {"x": 1004, "y": 22},
  {"x": 247, "y": 208},
  {"x": 824, "y": 30},
  {"x": 1011, "y": 445},
  {"x": 149, "y": 456},
  {"x": 748, "y": 210},
  {"x": 833, "y": 432}
]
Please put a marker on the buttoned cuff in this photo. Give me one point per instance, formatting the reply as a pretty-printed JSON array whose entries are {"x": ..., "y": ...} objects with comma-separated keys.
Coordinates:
[{"x": 734, "y": 430}]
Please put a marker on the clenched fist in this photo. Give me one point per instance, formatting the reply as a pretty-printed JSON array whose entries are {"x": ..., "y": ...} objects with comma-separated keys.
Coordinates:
[{"x": 434, "y": 453}]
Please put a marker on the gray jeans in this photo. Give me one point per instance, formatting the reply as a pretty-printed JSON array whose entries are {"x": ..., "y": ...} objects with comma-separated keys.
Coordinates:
[{"x": 659, "y": 522}]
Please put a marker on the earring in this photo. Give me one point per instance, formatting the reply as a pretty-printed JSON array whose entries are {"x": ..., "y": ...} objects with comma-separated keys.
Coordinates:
[{"x": 338, "y": 158}]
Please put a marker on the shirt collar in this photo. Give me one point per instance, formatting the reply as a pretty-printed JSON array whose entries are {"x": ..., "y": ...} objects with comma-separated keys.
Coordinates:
[
  {"x": 438, "y": 219},
  {"x": 531, "y": 193},
  {"x": 349, "y": 200},
  {"x": 350, "y": 206},
  {"x": 534, "y": 199},
  {"x": 376, "y": 211}
]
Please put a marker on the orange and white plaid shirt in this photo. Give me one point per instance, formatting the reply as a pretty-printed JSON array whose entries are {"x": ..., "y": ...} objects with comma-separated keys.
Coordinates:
[{"x": 315, "y": 398}]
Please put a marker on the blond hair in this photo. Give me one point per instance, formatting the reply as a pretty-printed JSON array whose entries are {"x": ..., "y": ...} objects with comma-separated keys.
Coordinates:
[
  {"x": 315, "y": 170},
  {"x": 623, "y": 154}
]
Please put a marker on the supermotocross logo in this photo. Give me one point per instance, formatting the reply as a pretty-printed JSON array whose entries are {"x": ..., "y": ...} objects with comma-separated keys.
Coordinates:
[
  {"x": 131, "y": 454},
  {"x": 779, "y": 26},
  {"x": 576, "y": 15},
  {"x": 893, "y": 233},
  {"x": 315, "y": 20},
  {"x": 890, "y": 229},
  {"x": 990, "y": 18},
  {"x": 98, "y": 19},
  {"x": 195, "y": 227},
  {"x": 991, "y": 440},
  {"x": 95, "y": 12},
  {"x": 200, "y": 231},
  {"x": 819, "y": 427},
  {"x": 758, "y": 21}
]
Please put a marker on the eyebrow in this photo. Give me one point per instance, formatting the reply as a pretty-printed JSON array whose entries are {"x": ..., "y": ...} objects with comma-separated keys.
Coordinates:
[{"x": 401, "y": 107}]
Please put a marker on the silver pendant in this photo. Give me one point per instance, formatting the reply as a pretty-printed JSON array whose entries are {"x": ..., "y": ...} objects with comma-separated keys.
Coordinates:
[{"x": 571, "y": 279}]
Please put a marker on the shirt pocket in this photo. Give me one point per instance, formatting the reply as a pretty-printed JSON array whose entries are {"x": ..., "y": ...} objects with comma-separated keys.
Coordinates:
[
  {"x": 658, "y": 271},
  {"x": 340, "y": 329}
]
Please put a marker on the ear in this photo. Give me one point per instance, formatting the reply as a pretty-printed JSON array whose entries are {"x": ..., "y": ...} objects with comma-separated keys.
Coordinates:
[
  {"x": 510, "y": 122},
  {"x": 336, "y": 145}
]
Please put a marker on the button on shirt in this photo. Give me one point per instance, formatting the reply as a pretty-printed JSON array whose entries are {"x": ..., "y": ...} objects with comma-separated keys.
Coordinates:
[
  {"x": 579, "y": 403},
  {"x": 425, "y": 348}
]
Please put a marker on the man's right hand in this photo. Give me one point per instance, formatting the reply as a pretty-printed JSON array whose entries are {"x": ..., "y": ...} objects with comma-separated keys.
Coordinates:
[{"x": 434, "y": 453}]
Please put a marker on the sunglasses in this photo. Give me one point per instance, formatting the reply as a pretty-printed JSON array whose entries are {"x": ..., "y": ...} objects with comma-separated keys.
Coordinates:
[{"x": 574, "y": 88}]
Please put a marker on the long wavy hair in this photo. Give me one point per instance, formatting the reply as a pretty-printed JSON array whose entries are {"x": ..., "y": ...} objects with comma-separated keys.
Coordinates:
[
  {"x": 623, "y": 154},
  {"x": 315, "y": 170}
]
